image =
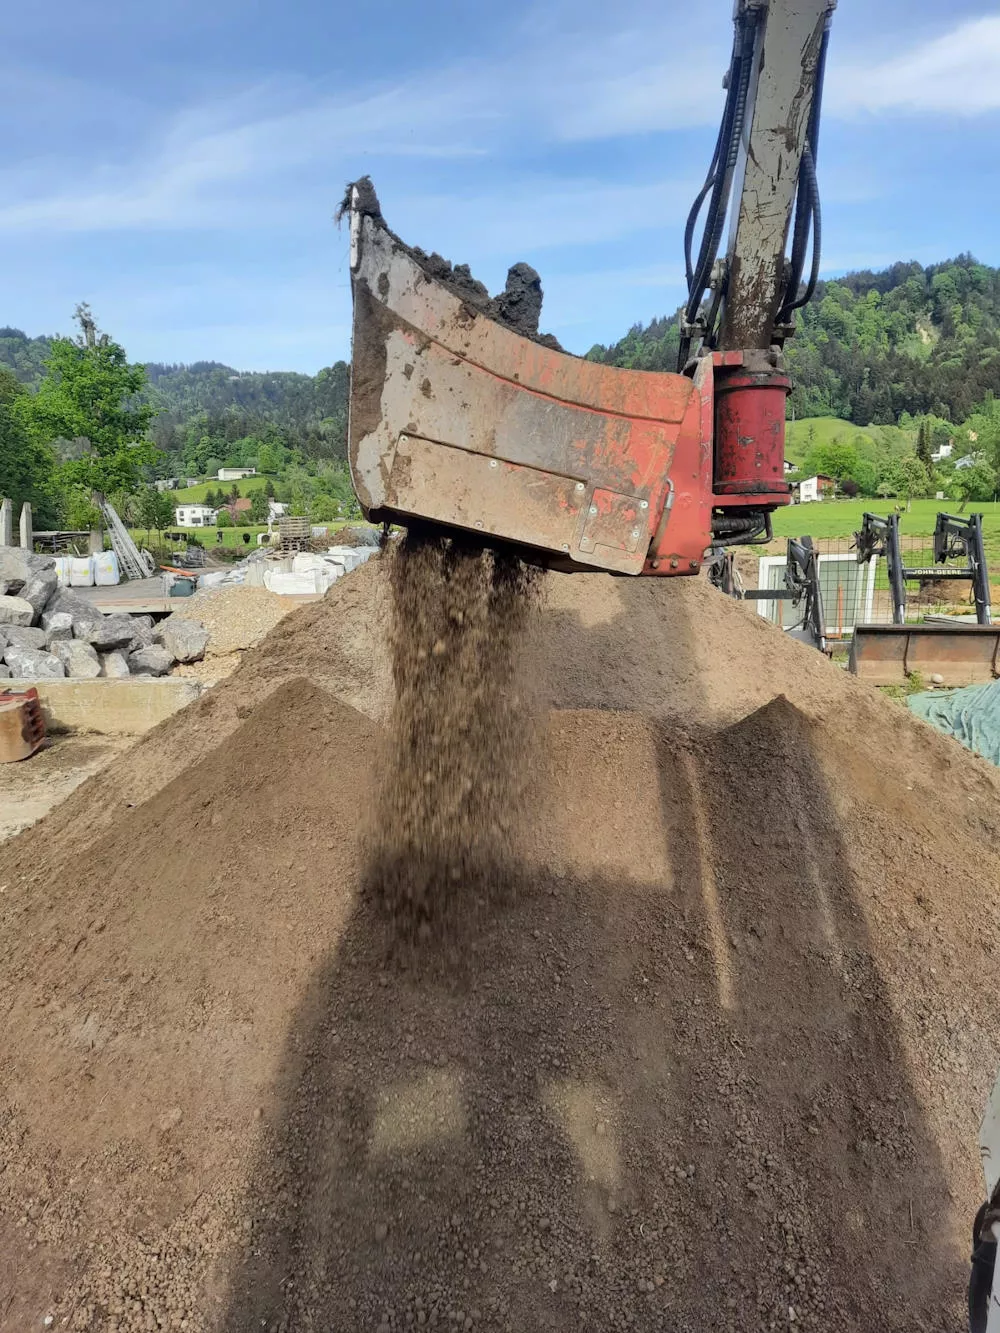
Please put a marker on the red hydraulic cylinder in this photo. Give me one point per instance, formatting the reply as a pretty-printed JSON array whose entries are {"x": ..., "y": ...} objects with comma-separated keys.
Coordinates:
[{"x": 750, "y": 433}]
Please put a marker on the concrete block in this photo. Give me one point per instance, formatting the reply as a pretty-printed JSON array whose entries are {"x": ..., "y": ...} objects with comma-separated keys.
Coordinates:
[
  {"x": 26, "y": 527},
  {"x": 6, "y": 523},
  {"x": 16, "y": 611},
  {"x": 78, "y": 658},
  {"x": 32, "y": 664},
  {"x": 111, "y": 707}
]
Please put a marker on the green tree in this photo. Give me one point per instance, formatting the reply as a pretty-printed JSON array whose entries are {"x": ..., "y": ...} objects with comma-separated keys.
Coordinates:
[
  {"x": 80, "y": 514},
  {"x": 298, "y": 504},
  {"x": 976, "y": 483},
  {"x": 269, "y": 457},
  {"x": 259, "y": 506},
  {"x": 225, "y": 519},
  {"x": 164, "y": 511},
  {"x": 27, "y": 465},
  {"x": 837, "y": 459},
  {"x": 925, "y": 444},
  {"x": 148, "y": 506},
  {"x": 90, "y": 392},
  {"x": 212, "y": 499},
  {"x": 269, "y": 488},
  {"x": 324, "y": 509}
]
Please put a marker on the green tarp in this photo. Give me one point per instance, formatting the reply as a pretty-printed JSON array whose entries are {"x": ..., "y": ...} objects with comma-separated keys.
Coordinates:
[{"x": 971, "y": 715}]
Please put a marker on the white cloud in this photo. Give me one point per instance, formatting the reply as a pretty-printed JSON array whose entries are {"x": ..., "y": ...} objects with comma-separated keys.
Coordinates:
[{"x": 957, "y": 73}]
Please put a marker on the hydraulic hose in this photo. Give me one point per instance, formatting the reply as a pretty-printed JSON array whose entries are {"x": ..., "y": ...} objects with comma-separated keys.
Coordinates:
[
  {"x": 807, "y": 204},
  {"x": 720, "y": 180}
]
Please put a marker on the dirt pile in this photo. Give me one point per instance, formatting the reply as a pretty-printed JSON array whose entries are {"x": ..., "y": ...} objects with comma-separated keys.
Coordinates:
[{"x": 718, "y": 1061}]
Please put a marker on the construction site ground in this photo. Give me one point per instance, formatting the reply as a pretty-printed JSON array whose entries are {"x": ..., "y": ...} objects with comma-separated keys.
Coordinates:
[
  {"x": 29, "y": 790},
  {"x": 718, "y": 1061}
]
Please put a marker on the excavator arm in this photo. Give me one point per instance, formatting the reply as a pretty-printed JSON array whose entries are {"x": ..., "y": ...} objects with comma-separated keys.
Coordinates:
[{"x": 460, "y": 420}]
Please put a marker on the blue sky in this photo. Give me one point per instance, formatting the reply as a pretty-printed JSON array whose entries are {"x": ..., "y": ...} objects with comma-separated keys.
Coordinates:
[{"x": 178, "y": 165}]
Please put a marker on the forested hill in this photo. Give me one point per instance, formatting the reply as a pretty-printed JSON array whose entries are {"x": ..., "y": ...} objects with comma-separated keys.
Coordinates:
[
  {"x": 871, "y": 346},
  {"x": 206, "y": 406},
  {"x": 210, "y": 401}
]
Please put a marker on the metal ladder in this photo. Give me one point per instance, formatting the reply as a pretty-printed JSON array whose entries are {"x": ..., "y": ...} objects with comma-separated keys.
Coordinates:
[{"x": 136, "y": 564}]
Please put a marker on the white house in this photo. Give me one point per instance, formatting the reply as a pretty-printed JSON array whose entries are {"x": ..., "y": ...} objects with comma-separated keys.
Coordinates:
[
  {"x": 195, "y": 516},
  {"x": 942, "y": 451},
  {"x": 275, "y": 510},
  {"x": 815, "y": 488},
  {"x": 236, "y": 473}
]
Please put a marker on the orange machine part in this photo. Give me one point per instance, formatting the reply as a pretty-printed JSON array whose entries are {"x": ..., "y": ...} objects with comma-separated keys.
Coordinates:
[{"x": 22, "y": 726}]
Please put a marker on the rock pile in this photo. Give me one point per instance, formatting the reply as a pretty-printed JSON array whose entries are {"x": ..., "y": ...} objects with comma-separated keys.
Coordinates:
[{"x": 47, "y": 631}]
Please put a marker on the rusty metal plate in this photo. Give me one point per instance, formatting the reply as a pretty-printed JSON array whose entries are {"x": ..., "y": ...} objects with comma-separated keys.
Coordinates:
[
  {"x": 531, "y": 422},
  {"x": 614, "y": 523},
  {"x": 888, "y": 654},
  {"x": 491, "y": 496}
]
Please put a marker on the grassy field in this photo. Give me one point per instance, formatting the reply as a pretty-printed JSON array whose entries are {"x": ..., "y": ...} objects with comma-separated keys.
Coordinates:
[
  {"x": 800, "y": 436},
  {"x": 195, "y": 494},
  {"x": 842, "y": 518},
  {"x": 232, "y": 538}
]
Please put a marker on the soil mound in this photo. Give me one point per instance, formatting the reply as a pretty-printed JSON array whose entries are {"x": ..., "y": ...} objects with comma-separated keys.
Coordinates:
[{"x": 717, "y": 1061}]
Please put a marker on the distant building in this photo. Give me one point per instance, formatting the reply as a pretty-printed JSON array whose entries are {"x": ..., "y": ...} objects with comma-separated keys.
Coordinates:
[
  {"x": 970, "y": 460},
  {"x": 236, "y": 507},
  {"x": 236, "y": 473},
  {"x": 195, "y": 516},
  {"x": 275, "y": 510},
  {"x": 942, "y": 451},
  {"x": 790, "y": 467},
  {"x": 816, "y": 488},
  {"x": 167, "y": 484}
]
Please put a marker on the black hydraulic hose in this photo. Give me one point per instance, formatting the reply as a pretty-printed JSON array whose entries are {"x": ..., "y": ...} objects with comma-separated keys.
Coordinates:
[
  {"x": 692, "y": 217},
  {"x": 807, "y": 200},
  {"x": 693, "y": 220},
  {"x": 809, "y": 189},
  {"x": 730, "y": 135},
  {"x": 717, "y": 181}
]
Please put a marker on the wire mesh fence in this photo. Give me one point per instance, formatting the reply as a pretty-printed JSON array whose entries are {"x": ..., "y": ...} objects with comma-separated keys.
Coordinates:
[{"x": 856, "y": 593}]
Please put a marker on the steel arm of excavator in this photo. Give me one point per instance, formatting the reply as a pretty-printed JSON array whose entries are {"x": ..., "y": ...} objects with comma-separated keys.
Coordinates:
[{"x": 458, "y": 420}]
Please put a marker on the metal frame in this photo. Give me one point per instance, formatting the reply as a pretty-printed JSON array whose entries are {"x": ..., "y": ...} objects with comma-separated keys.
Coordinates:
[
  {"x": 864, "y": 593},
  {"x": 954, "y": 538}
]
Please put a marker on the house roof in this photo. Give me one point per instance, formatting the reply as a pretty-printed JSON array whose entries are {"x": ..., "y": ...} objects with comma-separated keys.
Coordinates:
[{"x": 240, "y": 506}]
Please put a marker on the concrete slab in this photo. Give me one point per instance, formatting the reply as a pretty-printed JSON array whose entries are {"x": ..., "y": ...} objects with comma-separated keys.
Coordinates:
[
  {"x": 136, "y": 596},
  {"x": 110, "y": 707}
]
